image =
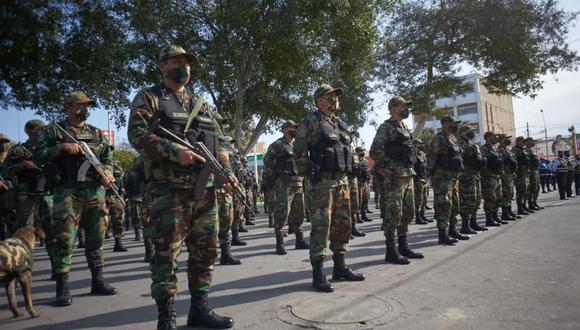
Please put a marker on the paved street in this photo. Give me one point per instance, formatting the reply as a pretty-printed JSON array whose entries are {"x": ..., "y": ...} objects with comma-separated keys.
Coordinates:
[{"x": 524, "y": 275}]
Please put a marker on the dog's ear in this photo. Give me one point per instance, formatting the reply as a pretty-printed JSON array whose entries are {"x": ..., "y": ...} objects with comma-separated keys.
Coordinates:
[{"x": 39, "y": 232}]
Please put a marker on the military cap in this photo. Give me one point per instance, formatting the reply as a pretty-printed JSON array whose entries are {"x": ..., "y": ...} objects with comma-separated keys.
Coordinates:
[
  {"x": 464, "y": 128},
  {"x": 398, "y": 100},
  {"x": 4, "y": 138},
  {"x": 449, "y": 119},
  {"x": 360, "y": 149},
  {"x": 529, "y": 139},
  {"x": 503, "y": 136},
  {"x": 34, "y": 124},
  {"x": 489, "y": 134},
  {"x": 326, "y": 89},
  {"x": 289, "y": 123},
  {"x": 174, "y": 50},
  {"x": 520, "y": 138},
  {"x": 78, "y": 97}
]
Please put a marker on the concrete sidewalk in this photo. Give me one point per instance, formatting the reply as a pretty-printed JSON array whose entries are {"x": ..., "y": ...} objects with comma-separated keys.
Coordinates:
[{"x": 517, "y": 276}]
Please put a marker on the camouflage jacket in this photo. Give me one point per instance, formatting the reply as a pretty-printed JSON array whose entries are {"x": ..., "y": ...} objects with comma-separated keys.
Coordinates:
[
  {"x": 48, "y": 152},
  {"x": 279, "y": 159},
  {"x": 442, "y": 156},
  {"x": 510, "y": 164},
  {"x": 25, "y": 180},
  {"x": 134, "y": 180},
  {"x": 420, "y": 165},
  {"x": 522, "y": 157},
  {"x": 494, "y": 161},
  {"x": 472, "y": 158},
  {"x": 387, "y": 134}
]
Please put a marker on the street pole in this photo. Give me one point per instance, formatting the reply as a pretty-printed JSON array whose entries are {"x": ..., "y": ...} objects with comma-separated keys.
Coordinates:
[
  {"x": 545, "y": 134},
  {"x": 527, "y": 129},
  {"x": 109, "y": 126}
]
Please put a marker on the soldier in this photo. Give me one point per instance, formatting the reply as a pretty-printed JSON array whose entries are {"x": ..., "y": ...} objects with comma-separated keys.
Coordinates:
[
  {"x": 393, "y": 151},
  {"x": 507, "y": 178},
  {"x": 321, "y": 153},
  {"x": 522, "y": 178},
  {"x": 115, "y": 208},
  {"x": 354, "y": 192},
  {"x": 534, "y": 174},
  {"x": 363, "y": 176},
  {"x": 420, "y": 183},
  {"x": 288, "y": 188},
  {"x": 237, "y": 166},
  {"x": 470, "y": 182},
  {"x": 577, "y": 175},
  {"x": 33, "y": 199},
  {"x": 570, "y": 173},
  {"x": 491, "y": 180},
  {"x": 268, "y": 196},
  {"x": 247, "y": 183},
  {"x": 79, "y": 193},
  {"x": 7, "y": 198},
  {"x": 179, "y": 212},
  {"x": 445, "y": 164}
]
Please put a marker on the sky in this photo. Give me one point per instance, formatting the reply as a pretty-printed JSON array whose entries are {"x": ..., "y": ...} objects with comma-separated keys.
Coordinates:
[{"x": 559, "y": 98}]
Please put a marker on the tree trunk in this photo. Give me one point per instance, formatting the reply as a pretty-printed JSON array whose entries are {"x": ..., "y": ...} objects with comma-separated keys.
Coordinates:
[
  {"x": 258, "y": 131},
  {"x": 422, "y": 117}
]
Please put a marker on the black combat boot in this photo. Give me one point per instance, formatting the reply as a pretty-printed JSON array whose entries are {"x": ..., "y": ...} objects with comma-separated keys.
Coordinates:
[
  {"x": 63, "y": 297},
  {"x": 532, "y": 205},
  {"x": 364, "y": 217},
  {"x": 166, "y": 313},
  {"x": 226, "y": 257},
  {"x": 137, "y": 234},
  {"x": 527, "y": 208},
  {"x": 455, "y": 234},
  {"x": 465, "y": 229},
  {"x": 201, "y": 315},
  {"x": 319, "y": 281},
  {"x": 98, "y": 285},
  {"x": 369, "y": 211},
  {"x": 505, "y": 215},
  {"x": 495, "y": 217},
  {"x": 358, "y": 218},
  {"x": 391, "y": 253},
  {"x": 405, "y": 251},
  {"x": 521, "y": 210},
  {"x": 444, "y": 239},
  {"x": 342, "y": 273},
  {"x": 236, "y": 241},
  {"x": 249, "y": 222},
  {"x": 241, "y": 228},
  {"x": 355, "y": 232},
  {"x": 81, "y": 239},
  {"x": 301, "y": 243},
  {"x": 489, "y": 220},
  {"x": 419, "y": 220},
  {"x": 148, "y": 250},
  {"x": 538, "y": 207},
  {"x": 513, "y": 215},
  {"x": 280, "y": 250},
  {"x": 118, "y": 247},
  {"x": 474, "y": 225}
]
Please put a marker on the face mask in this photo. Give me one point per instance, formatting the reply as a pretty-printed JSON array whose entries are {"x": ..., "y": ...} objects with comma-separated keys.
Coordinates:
[
  {"x": 404, "y": 114},
  {"x": 507, "y": 142},
  {"x": 453, "y": 129},
  {"x": 470, "y": 135},
  {"x": 178, "y": 75},
  {"x": 4, "y": 147},
  {"x": 83, "y": 114},
  {"x": 292, "y": 133}
]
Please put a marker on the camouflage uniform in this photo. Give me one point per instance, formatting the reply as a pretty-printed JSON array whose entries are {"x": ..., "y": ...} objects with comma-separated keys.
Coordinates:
[
  {"x": 507, "y": 179},
  {"x": 322, "y": 154},
  {"x": 420, "y": 187},
  {"x": 394, "y": 153},
  {"x": 115, "y": 208},
  {"x": 491, "y": 184},
  {"x": 355, "y": 196},
  {"x": 228, "y": 235},
  {"x": 470, "y": 184},
  {"x": 7, "y": 196},
  {"x": 363, "y": 176},
  {"x": 288, "y": 191},
  {"x": 522, "y": 179},
  {"x": 240, "y": 173}
]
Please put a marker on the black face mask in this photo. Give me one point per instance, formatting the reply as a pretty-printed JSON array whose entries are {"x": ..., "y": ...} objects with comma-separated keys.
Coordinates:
[
  {"x": 453, "y": 129},
  {"x": 292, "y": 133},
  {"x": 82, "y": 114},
  {"x": 507, "y": 142},
  {"x": 470, "y": 135},
  {"x": 178, "y": 75},
  {"x": 405, "y": 113}
]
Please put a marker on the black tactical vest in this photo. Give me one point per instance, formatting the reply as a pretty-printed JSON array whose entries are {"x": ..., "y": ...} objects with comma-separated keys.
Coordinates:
[
  {"x": 34, "y": 180},
  {"x": 330, "y": 152},
  {"x": 494, "y": 160},
  {"x": 401, "y": 147},
  {"x": 471, "y": 158},
  {"x": 285, "y": 162}
]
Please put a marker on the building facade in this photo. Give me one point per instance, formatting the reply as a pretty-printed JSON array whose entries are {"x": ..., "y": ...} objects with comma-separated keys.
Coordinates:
[{"x": 478, "y": 108}]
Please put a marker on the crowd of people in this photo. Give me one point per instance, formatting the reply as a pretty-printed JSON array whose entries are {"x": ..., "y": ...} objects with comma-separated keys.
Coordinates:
[{"x": 313, "y": 173}]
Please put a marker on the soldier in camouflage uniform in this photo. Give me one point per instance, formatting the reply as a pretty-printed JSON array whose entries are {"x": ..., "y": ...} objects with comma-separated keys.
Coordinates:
[
  {"x": 184, "y": 206},
  {"x": 116, "y": 208},
  {"x": 394, "y": 154},
  {"x": 470, "y": 182},
  {"x": 268, "y": 196},
  {"x": 354, "y": 194},
  {"x": 363, "y": 175},
  {"x": 77, "y": 203},
  {"x": 491, "y": 180},
  {"x": 522, "y": 179},
  {"x": 33, "y": 201},
  {"x": 322, "y": 154},
  {"x": 445, "y": 164},
  {"x": 420, "y": 183},
  {"x": 507, "y": 178},
  {"x": 534, "y": 175},
  {"x": 238, "y": 208},
  {"x": 288, "y": 188},
  {"x": 247, "y": 183},
  {"x": 7, "y": 198}
]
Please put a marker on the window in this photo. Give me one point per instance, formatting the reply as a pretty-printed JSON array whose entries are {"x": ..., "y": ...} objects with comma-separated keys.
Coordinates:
[{"x": 467, "y": 109}]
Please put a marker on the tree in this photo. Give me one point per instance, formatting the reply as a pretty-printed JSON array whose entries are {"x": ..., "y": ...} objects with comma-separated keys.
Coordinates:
[
  {"x": 124, "y": 157},
  {"x": 512, "y": 43}
]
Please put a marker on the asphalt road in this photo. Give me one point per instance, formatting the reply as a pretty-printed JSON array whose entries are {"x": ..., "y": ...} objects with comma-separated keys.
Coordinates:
[{"x": 525, "y": 275}]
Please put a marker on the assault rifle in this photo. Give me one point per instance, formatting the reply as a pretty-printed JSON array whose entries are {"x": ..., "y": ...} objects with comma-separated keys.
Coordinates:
[
  {"x": 91, "y": 160},
  {"x": 211, "y": 163}
]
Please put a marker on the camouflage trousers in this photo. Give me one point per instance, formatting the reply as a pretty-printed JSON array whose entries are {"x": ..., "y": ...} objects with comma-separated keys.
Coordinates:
[
  {"x": 239, "y": 210},
  {"x": 116, "y": 214},
  {"x": 399, "y": 204},
  {"x": 74, "y": 208},
  {"x": 354, "y": 195},
  {"x": 363, "y": 193},
  {"x": 534, "y": 185},
  {"x": 469, "y": 194},
  {"x": 329, "y": 203},
  {"x": 225, "y": 216},
  {"x": 507, "y": 189},
  {"x": 270, "y": 200},
  {"x": 446, "y": 200},
  {"x": 136, "y": 211},
  {"x": 36, "y": 210},
  {"x": 522, "y": 186},
  {"x": 176, "y": 217},
  {"x": 289, "y": 205},
  {"x": 421, "y": 189},
  {"x": 491, "y": 190}
]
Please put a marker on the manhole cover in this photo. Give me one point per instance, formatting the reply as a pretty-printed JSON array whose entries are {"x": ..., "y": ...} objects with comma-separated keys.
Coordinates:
[{"x": 339, "y": 309}]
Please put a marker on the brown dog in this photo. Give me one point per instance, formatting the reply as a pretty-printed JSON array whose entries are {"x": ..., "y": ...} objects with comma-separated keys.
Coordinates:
[{"x": 16, "y": 262}]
